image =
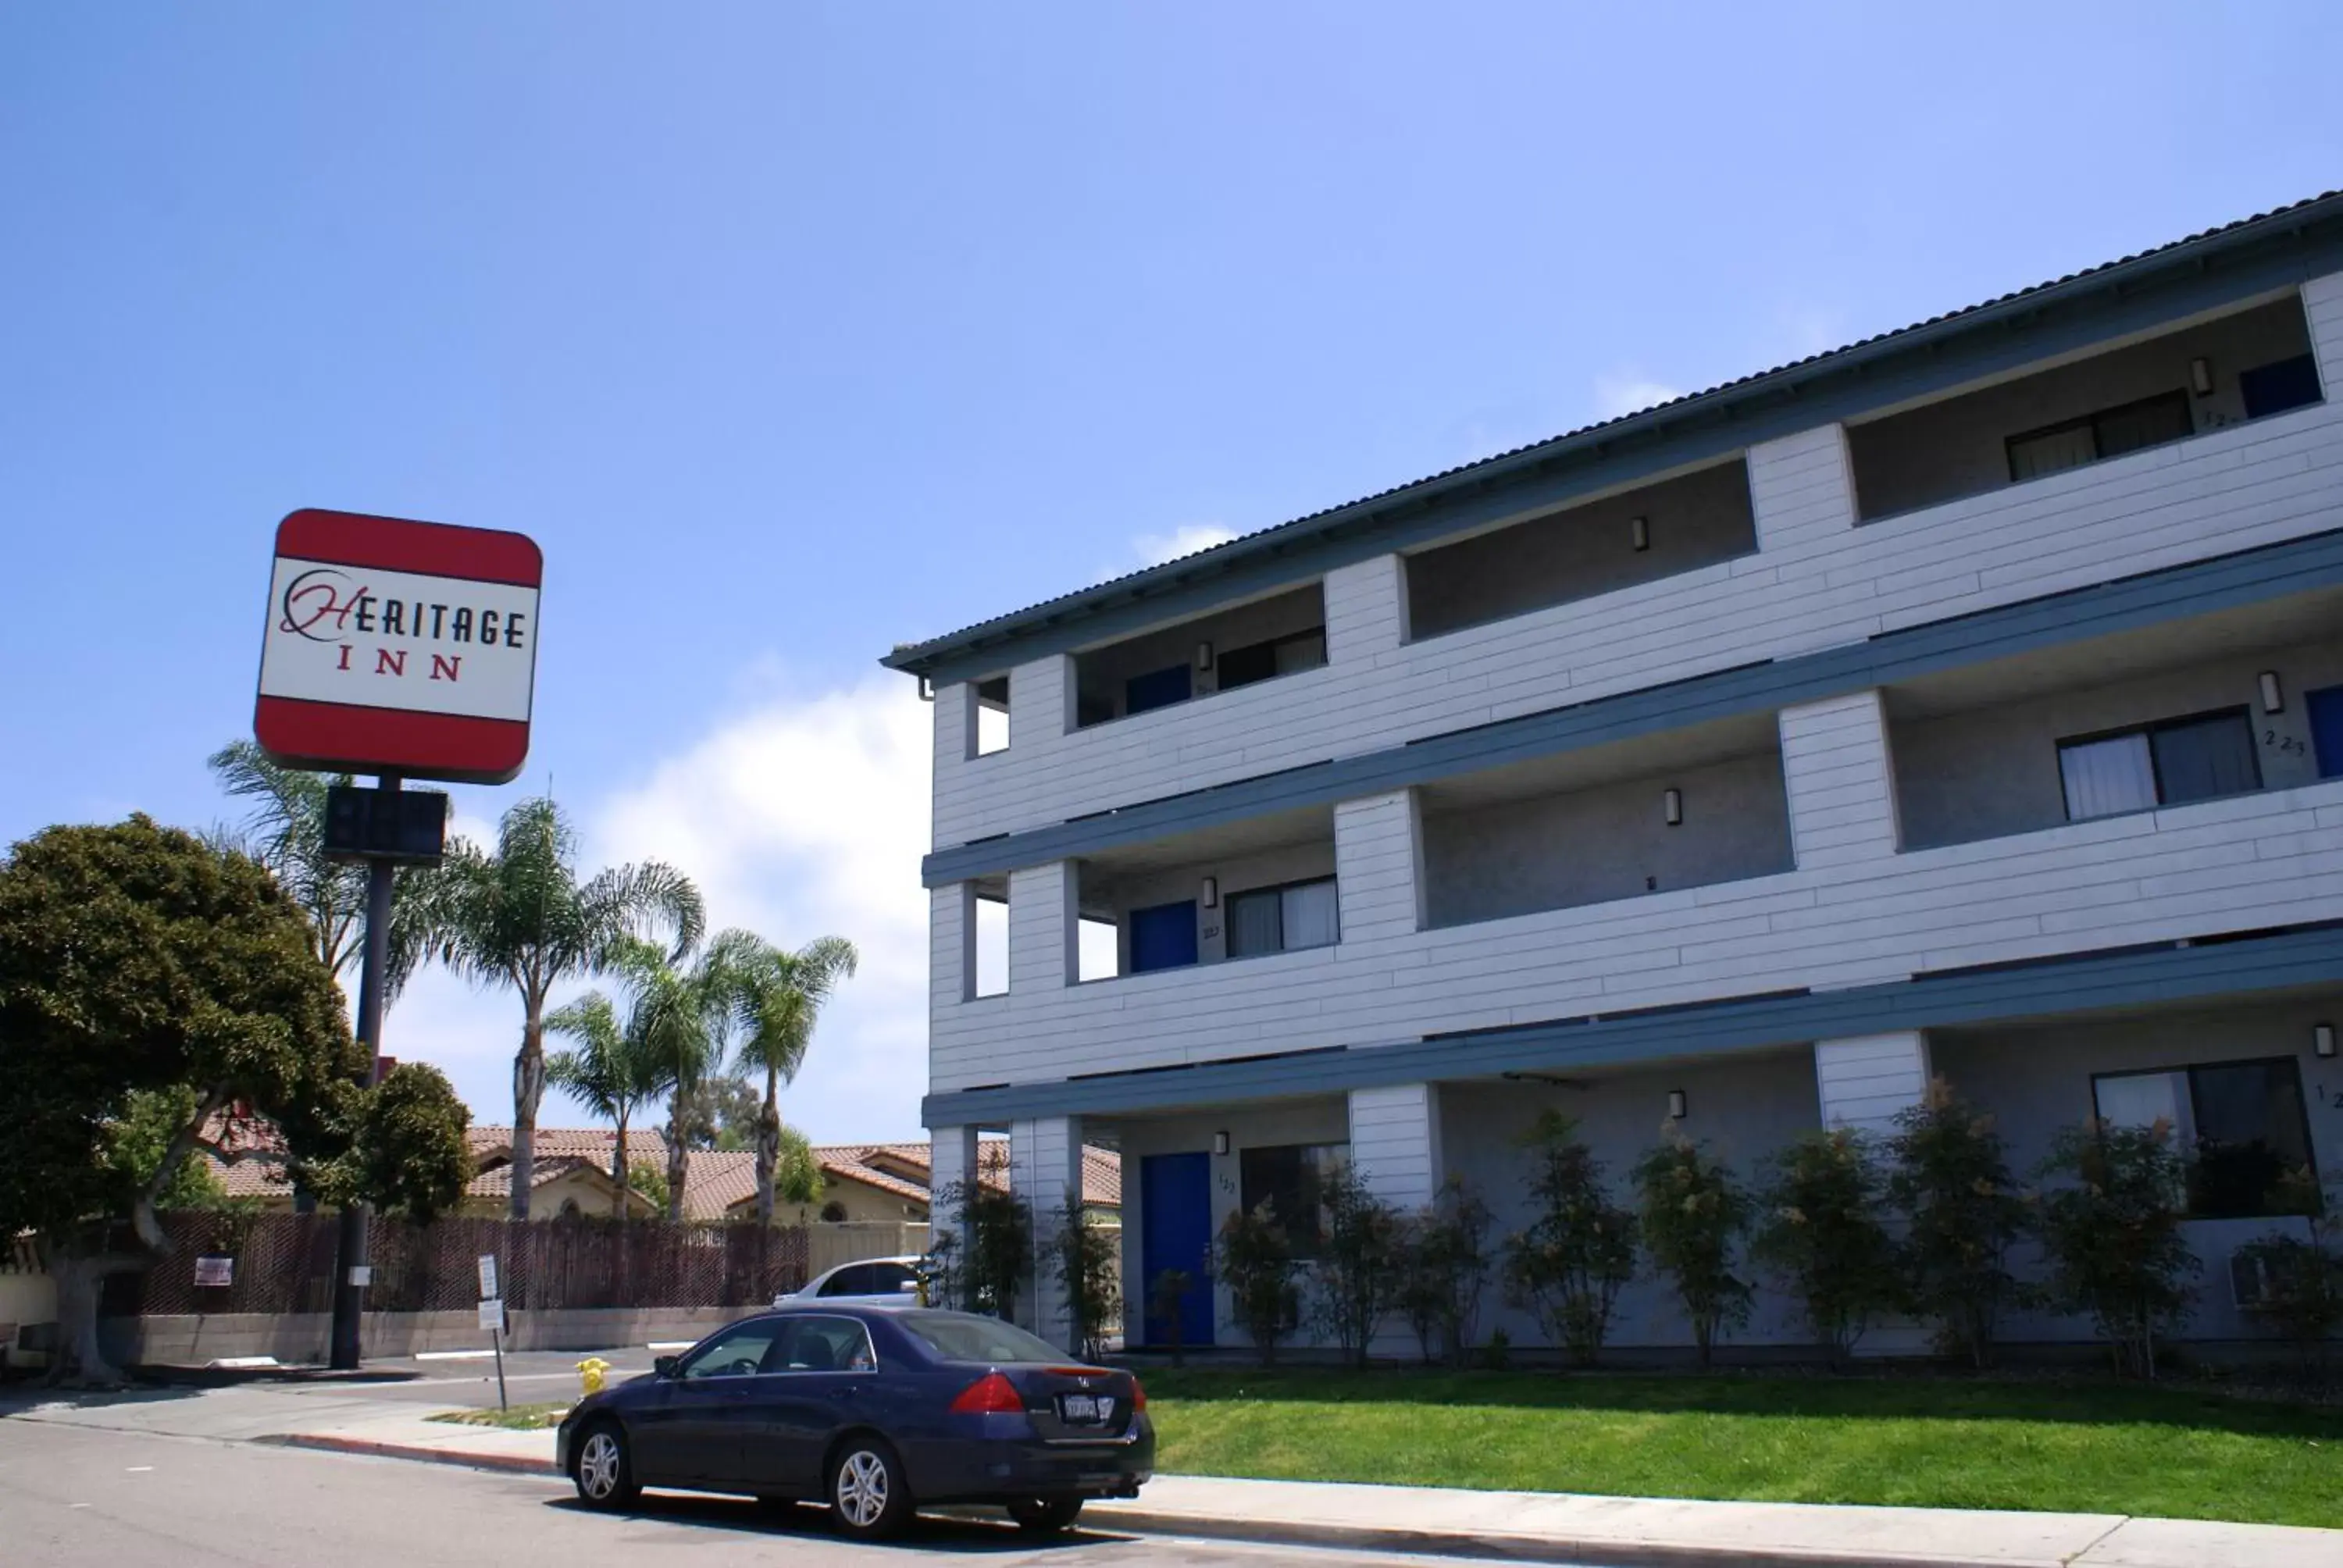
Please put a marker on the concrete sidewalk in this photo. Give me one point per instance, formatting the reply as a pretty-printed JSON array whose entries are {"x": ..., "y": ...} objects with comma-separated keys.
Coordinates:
[{"x": 1547, "y": 1527}]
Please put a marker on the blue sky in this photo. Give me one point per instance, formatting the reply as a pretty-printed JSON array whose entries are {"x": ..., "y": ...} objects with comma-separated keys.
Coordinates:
[{"x": 792, "y": 332}]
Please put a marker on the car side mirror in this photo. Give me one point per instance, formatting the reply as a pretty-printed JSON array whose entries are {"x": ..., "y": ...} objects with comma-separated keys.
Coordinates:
[
  {"x": 909, "y": 1288},
  {"x": 663, "y": 1367}
]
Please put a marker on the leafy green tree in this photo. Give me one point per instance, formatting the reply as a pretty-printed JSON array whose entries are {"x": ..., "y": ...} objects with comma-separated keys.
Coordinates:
[
  {"x": 285, "y": 831},
  {"x": 1694, "y": 1212},
  {"x": 2112, "y": 1229},
  {"x": 649, "y": 1180},
  {"x": 777, "y": 996},
  {"x": 137, "y": 1140},
  {"x": 519, "y": 916},
  {"x": 988, "y": 1272},
  {"x": 1255, "y": 1258},
  {"x": 1571, "y": 1262},
  {"x": 1082, "y": 1257},
  {"x": 1358, "y": 1269},
  {"x": 406, "y": 1150},
  {"x": 1445, "y": 1269},
  {"x": 1821, "y": 1231},
  {"x": 609, "y": 1072},
  {"x": 1949, "y": 1175},
  {"x": 2302, "y": 1277},
  {"x": 721, "y": 1114},
  {"x": 137, "y": 959}
]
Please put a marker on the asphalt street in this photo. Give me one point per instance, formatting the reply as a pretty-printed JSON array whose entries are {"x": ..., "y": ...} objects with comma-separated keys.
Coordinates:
[{"x": 81, "y": 1496}]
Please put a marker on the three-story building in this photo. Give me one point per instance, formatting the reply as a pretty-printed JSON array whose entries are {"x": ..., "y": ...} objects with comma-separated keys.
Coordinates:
[{"x": 1966, "y": 702}]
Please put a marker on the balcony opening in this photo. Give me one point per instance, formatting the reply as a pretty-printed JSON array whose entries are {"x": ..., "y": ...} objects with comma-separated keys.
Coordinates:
[
  {"x": 2198, "y": 709},
  {"x": 1241, "y": 645},
  {"x": 1657, "y": 531},
  {"x": 1657, "y": 814},
  {"x": 1248, "y": 889},
  {"x": 2247, "y": 364},
  {"x": 988, "y": 717},
  {"x": 989, "y": 937}
]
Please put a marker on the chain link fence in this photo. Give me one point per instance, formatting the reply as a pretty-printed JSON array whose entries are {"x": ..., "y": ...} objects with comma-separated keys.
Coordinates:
[{"x": 285, "y": 1263}]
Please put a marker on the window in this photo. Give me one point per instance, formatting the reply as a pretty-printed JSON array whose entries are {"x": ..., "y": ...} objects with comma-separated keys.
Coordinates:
[
  {"x": 2275, "y": 388},
  {"x": 967, "y": 1338},
  {"x": 2169, "y": 763},
  {"x": 2109, "y": 433},
  {"x": 892, "y": 1278},
  {"x": 851, "y": 1281},
  {"x": 739, "y": 1351},
  {"x": 2241, "y": 1123},
  {"x": 1281, "y": 656},
  {"x": 1289, "y": 1177},
  {"x": 824, "y": 1344},
  {"x": 1282, "y": 920},
  {"x": 989, "y": 730},
  {"x": 1158, "y": 688},
  {"x": 989, "y": 946}
]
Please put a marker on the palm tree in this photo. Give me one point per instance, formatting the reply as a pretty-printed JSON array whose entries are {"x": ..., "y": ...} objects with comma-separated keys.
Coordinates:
[
  {"x": 520, "y": 917},
  {"x": 680, "y": 1014},
  {"x": 285, "y": 832},
  {"x": 777, "y": 996},
  {"x": 610, "y": 1073}
]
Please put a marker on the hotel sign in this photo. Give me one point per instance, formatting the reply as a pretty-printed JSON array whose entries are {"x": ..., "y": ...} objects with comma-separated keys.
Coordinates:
[{"x": 399, "y": 647}]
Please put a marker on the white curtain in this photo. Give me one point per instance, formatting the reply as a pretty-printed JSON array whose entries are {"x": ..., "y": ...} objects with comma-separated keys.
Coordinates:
[
  {"x": 2104, "y": 777},
  {"x": 1311, "y": 919},
  {"x": 2144, "y": 1098},
  {"x": 1253, "y": 925}
]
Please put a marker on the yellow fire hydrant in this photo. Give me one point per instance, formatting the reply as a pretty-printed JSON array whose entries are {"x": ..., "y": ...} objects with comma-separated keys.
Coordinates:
[{"x": 592, "y": 1370}]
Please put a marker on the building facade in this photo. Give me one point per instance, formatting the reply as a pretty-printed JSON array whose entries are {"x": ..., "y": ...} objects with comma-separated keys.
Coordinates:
[{"x": 1965, "y": 703}]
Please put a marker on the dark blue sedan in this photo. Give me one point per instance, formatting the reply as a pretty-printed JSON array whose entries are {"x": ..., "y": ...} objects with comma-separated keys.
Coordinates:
[{"x": 874, "y": 1411}]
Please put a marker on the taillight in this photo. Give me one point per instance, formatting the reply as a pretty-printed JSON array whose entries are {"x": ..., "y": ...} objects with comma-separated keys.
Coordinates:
[
  {"x": 1137, "y": 1395},
  {"x": 991, "y": 1394}
]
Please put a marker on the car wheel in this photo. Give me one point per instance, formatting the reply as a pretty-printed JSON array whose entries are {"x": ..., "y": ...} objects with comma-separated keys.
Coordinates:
[
  {"x": 868, "y": 1498},
  {"x": 1045, "y": 1515},
  {"x": 603, "y": 1470}
]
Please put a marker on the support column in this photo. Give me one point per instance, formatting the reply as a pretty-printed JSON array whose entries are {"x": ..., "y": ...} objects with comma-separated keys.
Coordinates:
[
  {"x": 1379, "y": 866},
  {"x": 1041, "y": 703},
  {"x": 952, "y": 1165},
  {"x": 1802, "y": 489},
  {"x": 2322, "y": 306},
  {"x": 1864, "y": 1081},
  {"x": 1841, "y": 781},
  {"x": 951, "y": 947},
  {"x": 1396, "y": 1142},
  {"x": 1045, "y": 1164},
  {"x": 1044, "y": 928},
  {"x": 1366, "y": 610}
]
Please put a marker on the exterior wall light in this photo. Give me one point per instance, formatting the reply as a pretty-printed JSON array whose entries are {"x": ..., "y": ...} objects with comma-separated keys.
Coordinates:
[
  {"x": 1677, "y": 1106},
  {"x": 1671, "y": 806},
  {"x": 2322, "y": 1039},
  {"x": 1220, "y": 1143},
  {"x": 1639, "y": 531},
  {"x": 1212, "y": 893},
  {"x": 2273, "y": 694},
  {"x": 2200, "y": 378},
  {"x": 1203, "y": 655}
]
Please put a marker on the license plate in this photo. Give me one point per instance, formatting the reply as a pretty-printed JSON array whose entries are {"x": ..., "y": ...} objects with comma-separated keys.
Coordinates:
[{"x": 1085, "y": 1410}]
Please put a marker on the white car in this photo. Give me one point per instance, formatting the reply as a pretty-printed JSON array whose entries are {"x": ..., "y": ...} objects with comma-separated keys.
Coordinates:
[{"x": 873, "y": 1281}]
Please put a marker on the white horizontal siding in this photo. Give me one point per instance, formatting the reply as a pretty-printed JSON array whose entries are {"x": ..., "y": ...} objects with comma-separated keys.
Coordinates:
[
  {"x": 1378, "y": 866},
  {"x": 1818, "y": 582},
  {"x": 2322, "y": 302},
  {"x": 1396, "y": 1142},
  {"x": 1041, "y": 928},
  {"x": 1839, "y": 780},
  {"x": 950, "y": 952},
  {"x": 1865, "y": 1083},
  {"x": 2266, "y": 859}
]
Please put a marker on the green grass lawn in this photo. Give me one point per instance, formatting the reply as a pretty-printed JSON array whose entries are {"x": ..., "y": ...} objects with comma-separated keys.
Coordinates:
[
  {"x": 519, "y": 1418},
  {"x": 1942, "y": 1442}
]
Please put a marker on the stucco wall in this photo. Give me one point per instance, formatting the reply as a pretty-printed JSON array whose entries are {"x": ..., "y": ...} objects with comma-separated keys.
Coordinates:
[
  {"x": 2036, "y": 1080},
  {"x": 1995, "y": 770},
  {"x": 864, "y": 1204},
  {"x": 1957, "y": 448},
  {"x": 1695, "y": 520},
  {"x": 1590, "y": 846}
]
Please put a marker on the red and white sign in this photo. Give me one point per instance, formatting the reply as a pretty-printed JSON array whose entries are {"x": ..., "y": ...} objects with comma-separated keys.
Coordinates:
[{"x": 399, "y": 647}]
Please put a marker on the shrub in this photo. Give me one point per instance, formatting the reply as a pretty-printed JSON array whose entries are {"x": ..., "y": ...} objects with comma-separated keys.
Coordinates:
[
  {"x": 1820, "y": 1231},
  {"x": 1443, "y": 1270},
  {"x": 1083, "y": 1260},
  {"x": 1164, "y": 1294},
  {"x": 1255, "y": 1258},
  {"x": 1694, "y": 1211},
  {"x": 1950, "y": 1178},
  {"x": 986, "y": 1272},
  {"x": 1357, "y": 1271},
  {"x": 1568, "y": 1266},
  {"x": 2113, "y": 1234},
  {"x": 2302, "y": 1280}
]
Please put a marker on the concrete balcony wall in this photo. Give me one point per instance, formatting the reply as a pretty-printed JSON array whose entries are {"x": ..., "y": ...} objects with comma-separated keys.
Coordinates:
[
  {"x": 2247, "y": 863},
  {"x": 1816, "y": 580}
]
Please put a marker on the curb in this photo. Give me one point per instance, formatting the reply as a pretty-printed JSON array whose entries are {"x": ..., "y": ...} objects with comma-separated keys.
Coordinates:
[
  {"x": 1580, "y": 1552},
  {"x": 1572, "y": 1550},
  {"x": 510, "y": 1464}
]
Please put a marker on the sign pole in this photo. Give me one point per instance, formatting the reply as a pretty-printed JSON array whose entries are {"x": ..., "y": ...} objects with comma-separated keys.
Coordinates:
[
  {"x": 496, "y": 1343},
  {"x": 352, "y": 1278}
]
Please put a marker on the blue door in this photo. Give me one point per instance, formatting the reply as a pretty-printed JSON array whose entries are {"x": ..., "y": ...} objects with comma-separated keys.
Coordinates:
[
  {"x": 1163, "y": 937},
  {"x": 2326, "y": 707},
  {"x": 1175, "y": 1228}
]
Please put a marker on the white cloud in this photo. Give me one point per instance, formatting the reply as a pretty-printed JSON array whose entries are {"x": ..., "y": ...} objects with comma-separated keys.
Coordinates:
[
  {"x": 1618, "y": 395},
  {"x": 1154, "y": 549}
]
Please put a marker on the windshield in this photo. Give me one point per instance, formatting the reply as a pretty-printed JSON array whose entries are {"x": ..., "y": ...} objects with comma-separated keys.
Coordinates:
[{"x": 970, "y": 1339}]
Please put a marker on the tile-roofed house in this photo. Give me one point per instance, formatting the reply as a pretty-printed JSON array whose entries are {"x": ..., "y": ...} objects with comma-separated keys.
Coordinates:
[
  {"x": 890, "y": 1181},
  {"x": 566, "y": 1184}
]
